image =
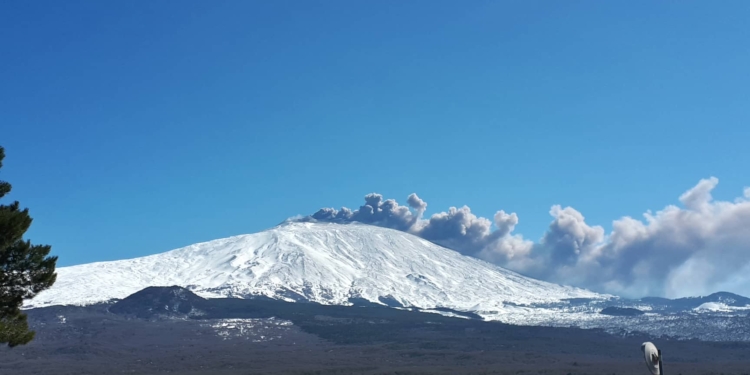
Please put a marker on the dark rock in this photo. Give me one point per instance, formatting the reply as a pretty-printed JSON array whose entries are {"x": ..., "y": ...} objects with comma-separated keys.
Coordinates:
[{"x": 154, "y": 302}]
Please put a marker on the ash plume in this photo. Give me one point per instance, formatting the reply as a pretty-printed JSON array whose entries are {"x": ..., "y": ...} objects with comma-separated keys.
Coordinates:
[{"x": 699, "y": 248}]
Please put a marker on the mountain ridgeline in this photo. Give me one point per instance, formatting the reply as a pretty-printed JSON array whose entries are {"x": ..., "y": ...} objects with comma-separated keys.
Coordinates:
[
  {"x": 689, "y": 303},
  {"x": 333, "y": 264},
  {"x": 304, "y": 267}
]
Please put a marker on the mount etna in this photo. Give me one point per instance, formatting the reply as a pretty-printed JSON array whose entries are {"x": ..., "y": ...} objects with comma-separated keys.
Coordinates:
[{"x": 355, "y": 298}]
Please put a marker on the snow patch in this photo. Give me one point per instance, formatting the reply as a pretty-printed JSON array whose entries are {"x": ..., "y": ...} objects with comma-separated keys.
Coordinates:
[
  {"x": 255, "y": 330},
  {"x": 719, "y": 307}
]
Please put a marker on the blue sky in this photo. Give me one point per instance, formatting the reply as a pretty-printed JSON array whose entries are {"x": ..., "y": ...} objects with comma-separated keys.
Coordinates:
[{"x": 133, "y": 128}]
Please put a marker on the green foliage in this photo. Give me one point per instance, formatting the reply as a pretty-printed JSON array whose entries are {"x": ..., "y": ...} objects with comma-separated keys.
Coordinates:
[{"x": 25, "y": 269}]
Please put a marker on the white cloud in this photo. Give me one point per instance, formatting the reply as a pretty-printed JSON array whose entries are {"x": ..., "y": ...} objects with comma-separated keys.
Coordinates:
[{"x": 676, "y": 252}]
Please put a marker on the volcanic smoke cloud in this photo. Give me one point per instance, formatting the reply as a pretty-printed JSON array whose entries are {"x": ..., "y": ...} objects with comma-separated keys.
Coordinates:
[{"x": 696, "y": 249}]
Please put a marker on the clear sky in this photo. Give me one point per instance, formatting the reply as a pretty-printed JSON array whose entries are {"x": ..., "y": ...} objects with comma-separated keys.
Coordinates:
[{"x": 137, "y": 127}]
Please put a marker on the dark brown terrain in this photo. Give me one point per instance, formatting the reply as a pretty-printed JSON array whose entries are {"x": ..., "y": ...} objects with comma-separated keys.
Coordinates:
[{"x": 156, "y": 336}]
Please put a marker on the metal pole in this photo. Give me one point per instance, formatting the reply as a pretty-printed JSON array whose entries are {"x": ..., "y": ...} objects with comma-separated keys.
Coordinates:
[{"x": 661, "y": 372}]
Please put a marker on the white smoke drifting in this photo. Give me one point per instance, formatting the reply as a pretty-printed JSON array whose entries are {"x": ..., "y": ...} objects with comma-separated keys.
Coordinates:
[{"x": 697, "y": 249}]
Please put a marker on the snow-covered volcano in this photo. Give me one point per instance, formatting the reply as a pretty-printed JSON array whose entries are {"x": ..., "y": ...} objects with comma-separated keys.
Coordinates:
[{"x": 324, "y": 263}]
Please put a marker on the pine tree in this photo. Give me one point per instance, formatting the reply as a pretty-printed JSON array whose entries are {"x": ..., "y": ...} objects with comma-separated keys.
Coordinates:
[{"x": 25, "y": 269}]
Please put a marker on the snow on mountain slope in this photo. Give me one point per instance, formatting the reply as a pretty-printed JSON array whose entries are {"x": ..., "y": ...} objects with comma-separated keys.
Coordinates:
[{"x": 325, "y": 263}]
